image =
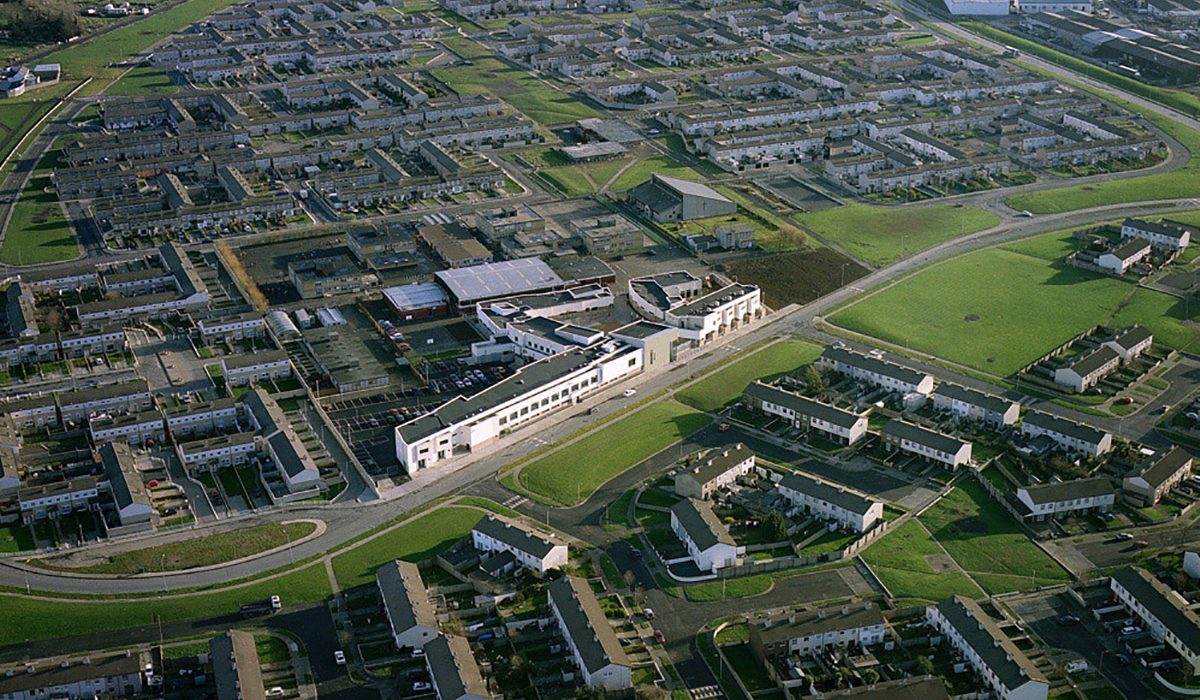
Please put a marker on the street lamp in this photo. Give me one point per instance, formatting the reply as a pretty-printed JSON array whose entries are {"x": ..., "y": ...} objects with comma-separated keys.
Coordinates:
[{"x": 162, "y": 568}]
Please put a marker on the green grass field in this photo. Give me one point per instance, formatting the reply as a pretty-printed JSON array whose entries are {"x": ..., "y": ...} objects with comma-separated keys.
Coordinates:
[
  {"x": 726, "y": 385},
  {"x": 419, "y": 539},
  {"x": 570, "y": 475},
  {"x": 899, "y": 560},
  {"x": 38, "y": 231},
  {"x": 143, "y": 81},
  {"x": 15, "y": 119},
  {"x": 1021, "y": 293},
  {"x": 540, "y": 101},
  {"x": 985, "y": 541},
  {"x": 29, "y": 619},
  {"x": 15, "y": 538},
  {"x": 204, "y": 551},
  {"x": 587, "y": 178},
  {"x": 882, "y": 235}
]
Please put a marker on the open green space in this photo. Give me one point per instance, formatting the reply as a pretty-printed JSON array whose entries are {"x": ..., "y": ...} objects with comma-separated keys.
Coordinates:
[
  {"x": 30, "y": 619},
  {"x": 901, "y": 561},
  {"x": 16, "y": 118},
  {"x": 539, "y": 100},
  {"x": 726, "y": 384},
  {"x": 983, "y": 538},
  {"x": 15, "y": 538},
  {"x": 586, "y": 179},
  {"x": 419, "y": 539},
  {"x": 571, "y": 474},
  {"x": 38, "y": 231},
  {"x": 143, "y": 81},
  {"x": 882, "y": 235},
  {"x": 957, "y": 309},
  {"x": 771, "y": 233},
  {"x": 192, "y": 553}
]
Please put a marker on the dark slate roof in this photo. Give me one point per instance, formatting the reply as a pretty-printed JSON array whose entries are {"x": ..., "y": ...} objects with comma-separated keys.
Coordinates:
[
  {"x": 1163, "y": 603},
  {"x": 802, "y": 405},
  {"x": 586, "y": 624},
  {"x": 923, "y": 436},
  {"x": 124, "y": 481},
  {"x": 987, "y": 402},
  {"x": 1089, "y": 363},
  {"x": 701, "y": 524},
  {"x": 871, "y": 364},
  {"x": 235, "y": 667},
  {"x": 794, "y": 624},
  {"x": 1130, "y": 248},
  {"x": 982, "y": 633},
  {"x": 1132, "y": 336},
  {"x": 719, "y": 462},
  {"x": 1157, "y": 471},
  {"x": 404, "y": 596},
  {"x": 1172, "y": 229},
  {"x": 1045, "y": 421},
  {"x": 838, "y": 496},
  {"x": 516, "y": 535},
  {"x": 454, "y": 670},
  {"x": 1067, "y": 490}
]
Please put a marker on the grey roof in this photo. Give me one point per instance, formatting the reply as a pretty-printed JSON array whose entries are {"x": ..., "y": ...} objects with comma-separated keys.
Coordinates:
[
  {"x": 1172, "y": 229},
  {"x": 499, "y": 279},
  {"x": 983, "y": 634},
  {"x": 236, "y": 668},
  {"x": 640, "y": 330},
  {"x": 1130, "y": 248},
  {"x": 586, "y": 624},
  {"x": 689, "y": 188},
  {"x": 719, "y": 462},
  {"x": 254, "y": 359},
  {"x": 454, "y": 670},
  {"x": 123, "y": 479},
  {"x": 1132, "y": 336},
  {"x": 987, "y": 402},
  {"x": 836, "y": 495},
  {"x": 871, "y": 364},
  {"x": 516, "y": 535},
  {"x": 1068, "y": 490},
  {"x": 1157, "y": 471},
  {"x": 404, "y": 596},
  {"x": 923, "y": 436},
  {"x": 1093, "y": 361},
  {"x": 1163, "y": 603},
  {"x": 796, "y": 624},
  {"x": 1079, "y": 431},
  {"x": 701, "y": 524},
  {"x": 79, "y": 397},
  {"x": 49, "y": 675},
  {"x": 803, "y": 405}
]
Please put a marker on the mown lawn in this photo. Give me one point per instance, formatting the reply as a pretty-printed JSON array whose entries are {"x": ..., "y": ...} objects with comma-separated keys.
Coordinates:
[
  {"x": 882, "y": 235},
  {"x": 540, "y": 101},
  {"x": 983, "y": 538},
  {"x": 38, "y": 231},
  {"x": 28, "y": 619},
  {"x": 957, "y": 309},
  {"x": 899, "y": 560},
  {"x": 726, "y": 385},
  {"x": 143, "y": 81},
  {"x": 420, "y": 539},
  {"x": 15, "y": 538},
  {"x": 204, "y": 551},
  {"x": 572, "y": 474}
]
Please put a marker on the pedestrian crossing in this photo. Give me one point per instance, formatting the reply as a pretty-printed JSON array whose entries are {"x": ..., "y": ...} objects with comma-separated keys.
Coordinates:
[
  {"x": 706, "y": 692},
  {"x": 516, "y": 502}
]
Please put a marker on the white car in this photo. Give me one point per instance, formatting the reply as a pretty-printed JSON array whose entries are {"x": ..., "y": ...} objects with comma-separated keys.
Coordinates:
[
  {"x": 339, "y": 657},
  {"x": 421, "y": 685},
  {"x": 628, "y": 392}
]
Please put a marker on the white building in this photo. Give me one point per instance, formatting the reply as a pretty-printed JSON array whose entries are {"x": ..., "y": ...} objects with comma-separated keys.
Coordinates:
[
  {"x": 248, "y": 325},
  {"x": 411, "y": 615},
  {"x": 1068, "y": 435},
  {"x": 703, "y": 535},
  {"x": 495, "y": 534},
  {"x": 1004, "y": 669},
  {"x": 927, "y": 444},
  {"x": 598, "y": 654},
  {"x": 1150, "y": 481},
  {"x": 1120, "y": 259},
  {"x": 851, "y": 511},
  {"x": 805, "y": 413},
  {"x": 1131, "y": 343},
  {"x": 258, "y": 367},
  {"x": 534, "y": 390},
  {"x": 125, "y": 484},
  {"x": 970, "y": 404},
  {"x": 807, "y": 632},
  {"x": 1086, "y": 371},
  {"x": 1076, "y": 497},
  {"x": 1163, "y": 612},
  {"x": 983, "y": 8},
  {"x": 720, "y": 469},
  {"x": 211, "y": 454},
  {"x": 676, "y": 300},
  {"x": 876, "y": 371},
  {"x": 1170, "y": 235}
]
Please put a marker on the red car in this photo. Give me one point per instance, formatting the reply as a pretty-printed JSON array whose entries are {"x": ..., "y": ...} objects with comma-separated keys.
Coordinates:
[
  {"x": 660, "y": 637},
  {"x": 152, "y": 483}
]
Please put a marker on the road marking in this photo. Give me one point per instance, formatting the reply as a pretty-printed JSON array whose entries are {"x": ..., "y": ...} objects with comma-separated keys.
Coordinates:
[
  {"x": 704, "y": 692},
  {"x": 515, "y": 501}
]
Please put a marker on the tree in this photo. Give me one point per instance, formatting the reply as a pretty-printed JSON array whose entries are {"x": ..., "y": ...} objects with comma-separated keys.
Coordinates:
[
  {"x": 45, "y": 20},
  {"x": 871, "y": 676},
  {"x": 814, "y": 380},
  {"x": 923, "y": 665},
  {"x": 776, "y": 526},
  {"x": 629, "y": 578}
]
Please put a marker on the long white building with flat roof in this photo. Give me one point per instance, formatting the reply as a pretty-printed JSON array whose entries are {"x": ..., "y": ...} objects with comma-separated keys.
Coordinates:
[{"x": 677, "y": 299}]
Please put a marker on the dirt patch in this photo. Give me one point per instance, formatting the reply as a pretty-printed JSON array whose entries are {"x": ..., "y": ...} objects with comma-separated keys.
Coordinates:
[
  {"x": 941, "y": 563},
  {"x": 796, "y": 277},
  {"x": 971, "y": 317}
]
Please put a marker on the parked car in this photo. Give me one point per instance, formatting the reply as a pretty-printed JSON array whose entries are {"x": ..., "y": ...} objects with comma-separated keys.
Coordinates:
[
  {"x": 660, "y": 637},
  {"x": 167, "y": 512},
  {"x": 339, "y": 657},
  {"x": 1066, "y": 620},
  {"x": 1124, "y": 536}
]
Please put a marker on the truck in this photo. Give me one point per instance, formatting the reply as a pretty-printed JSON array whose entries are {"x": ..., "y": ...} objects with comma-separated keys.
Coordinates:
[
  {"x": 1010, "y": 52},
  {"x": 265, "y": 606}
]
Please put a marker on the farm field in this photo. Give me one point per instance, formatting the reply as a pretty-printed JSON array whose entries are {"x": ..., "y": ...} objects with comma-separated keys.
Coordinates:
[
  {"x": 29, "y": 619},
  {"x": 902, "y": 560},
  {"x": 726, "y": 385},
  {"x": 205, "y": 551},
  {"x": 986, "y": 542},
  {"x": 1029, "y": 298},
  {"x": 882, "y": 235},
  {"x": 571, "y": 474},
  {"x": 418, "y": 539}
]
